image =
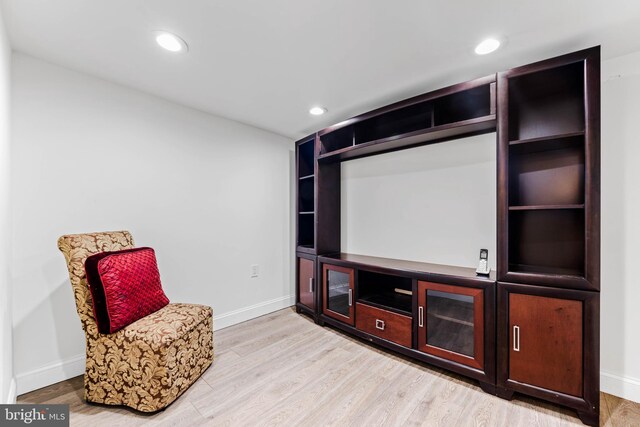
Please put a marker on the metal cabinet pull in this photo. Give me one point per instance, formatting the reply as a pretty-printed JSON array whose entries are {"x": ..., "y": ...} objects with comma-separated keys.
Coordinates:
[
  {"x": 380, "y": 324},
  {"x": 516, "y": 338},
  {"x": 420, "y": 316},
  {"x": 350, "y": 298},
  {"x": 310, "y": 284}
]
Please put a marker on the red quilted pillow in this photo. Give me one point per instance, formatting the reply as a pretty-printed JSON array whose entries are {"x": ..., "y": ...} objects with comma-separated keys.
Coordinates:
[{"x": 125, "y": 286}]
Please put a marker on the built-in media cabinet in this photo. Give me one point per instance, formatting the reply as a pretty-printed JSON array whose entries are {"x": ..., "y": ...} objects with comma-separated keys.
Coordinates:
[{"x": 532, "y": 326}]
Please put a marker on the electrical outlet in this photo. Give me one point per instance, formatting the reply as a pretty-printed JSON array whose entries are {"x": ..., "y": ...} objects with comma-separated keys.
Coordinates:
[{"x": 255, "y": 270}]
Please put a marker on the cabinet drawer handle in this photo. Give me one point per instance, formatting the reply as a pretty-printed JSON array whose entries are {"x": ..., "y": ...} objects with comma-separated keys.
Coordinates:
[
  {"x": 380, "y": 324},
  {"x": 310, "y": 284},
  {"x": 350, "y": 298},
  {"x": 420, "y": 316},
  {"x": 516, "y": 338}
]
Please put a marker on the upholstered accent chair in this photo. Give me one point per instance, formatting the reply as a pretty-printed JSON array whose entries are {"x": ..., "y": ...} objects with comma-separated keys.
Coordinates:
[{"x": 149, "y": 363}]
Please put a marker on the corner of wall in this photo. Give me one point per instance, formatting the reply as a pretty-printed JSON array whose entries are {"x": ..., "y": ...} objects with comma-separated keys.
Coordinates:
[
  {"x": 12, "y": 396},
  {"x": 624, "y": 387},
  {"x": 49, "y": 374}
]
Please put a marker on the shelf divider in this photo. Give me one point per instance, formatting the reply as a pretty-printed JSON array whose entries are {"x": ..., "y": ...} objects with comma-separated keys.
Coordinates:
[
  {"x": 546, "y": 138},
  {"x": 545, "y": 207}
]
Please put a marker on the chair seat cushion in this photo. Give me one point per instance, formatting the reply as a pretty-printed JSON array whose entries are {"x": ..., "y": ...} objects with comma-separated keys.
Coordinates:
[
  {"x": 163, "y": 327},
  {"x": 125, "y": 286}
]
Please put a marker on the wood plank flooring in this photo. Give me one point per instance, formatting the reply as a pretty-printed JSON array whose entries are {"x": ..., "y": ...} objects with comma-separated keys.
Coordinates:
[{"x": 283, "y": 370}]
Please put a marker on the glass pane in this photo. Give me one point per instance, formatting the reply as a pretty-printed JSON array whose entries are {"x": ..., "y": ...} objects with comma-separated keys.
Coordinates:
[
  {"x": 450, "y": 322},
  {"x": 338, "y": 292}
]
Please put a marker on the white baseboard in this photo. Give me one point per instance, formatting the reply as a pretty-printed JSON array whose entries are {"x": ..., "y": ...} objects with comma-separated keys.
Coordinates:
[
  {"x": 74, "y": 366},
  {"x": 234, "y": 317},
  {"x": 625, "y": 387},
  {"x": 50, "y": 374},
  {"x": 11, "y": 398}
]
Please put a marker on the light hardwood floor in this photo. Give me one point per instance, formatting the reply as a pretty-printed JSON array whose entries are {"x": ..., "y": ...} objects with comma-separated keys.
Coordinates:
[{"x": 282, "y": 369}]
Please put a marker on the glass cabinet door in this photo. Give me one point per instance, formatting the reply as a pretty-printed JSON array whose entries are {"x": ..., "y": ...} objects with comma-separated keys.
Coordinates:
[
  {"x": 451, "y": 322},
  {"x": 338, "y": 292}
]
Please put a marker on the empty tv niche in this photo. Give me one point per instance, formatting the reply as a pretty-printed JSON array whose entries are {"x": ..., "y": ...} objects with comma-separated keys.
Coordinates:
[{"x": 385, "y": 291}]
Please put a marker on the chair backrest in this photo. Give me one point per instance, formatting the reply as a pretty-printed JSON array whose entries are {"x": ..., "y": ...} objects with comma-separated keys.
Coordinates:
[{"x": 76, "y": 248}]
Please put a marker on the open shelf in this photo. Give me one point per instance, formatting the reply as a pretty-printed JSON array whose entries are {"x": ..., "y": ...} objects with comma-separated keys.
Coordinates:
[
  {"x": 306, "y": 230},
  {"x": 461, "y": 106},
  {"x": 379, "y": 290},
  {"x": 397, "y": 122},
  {"x": 305, "y": 195},
  {"x": 547, "y": 241},
  {"x": 536, "y": 269},
  {"x": 305, "y": 158},
  {"x": 544, "y": 207},
  {"x": 573, "y": 140},
  {"x": 547, "y": 172},
  {"x": 431, "y": 135},
  {"x": 395, "y": 302},
  {"x": 569, "y": 135},
  {"x": 549, "y": 102},
  {"x": 337, "y": 139},
  {"x": 460, "y": 110}
]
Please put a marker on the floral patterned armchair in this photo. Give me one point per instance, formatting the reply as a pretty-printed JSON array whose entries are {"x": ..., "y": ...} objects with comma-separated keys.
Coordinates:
[{"x": 149, "y": 363}]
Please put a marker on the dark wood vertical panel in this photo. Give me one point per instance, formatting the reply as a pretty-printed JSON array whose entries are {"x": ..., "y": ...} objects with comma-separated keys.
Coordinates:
[
  {"x": 591, "y": 393},
  {"x": 306, "y": 282},
  {"x": 546, "y": 349},
  {"x": 503, "y": 175},
  {"x": 592, "y": 141},
  {"x": 586, "y": 401},
  {"x": 328, "y": 208}
]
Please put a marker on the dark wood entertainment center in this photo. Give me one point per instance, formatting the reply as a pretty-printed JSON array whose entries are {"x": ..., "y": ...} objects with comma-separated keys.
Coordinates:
[{"x": 532, "y": 326}]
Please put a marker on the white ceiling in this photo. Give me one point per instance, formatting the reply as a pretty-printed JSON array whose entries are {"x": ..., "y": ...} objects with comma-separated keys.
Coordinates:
[{"x": 266, "y": 62}]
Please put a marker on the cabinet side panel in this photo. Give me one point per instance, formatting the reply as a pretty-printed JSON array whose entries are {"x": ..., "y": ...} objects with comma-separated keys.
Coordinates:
[{"x": 328, "y": 208}]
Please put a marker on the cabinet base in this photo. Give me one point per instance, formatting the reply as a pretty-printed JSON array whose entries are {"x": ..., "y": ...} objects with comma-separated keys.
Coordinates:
[
  {"x": 591, "y": 418},
  {"x": 504, "y": 393},
  {"x": 488, "y": 388}
]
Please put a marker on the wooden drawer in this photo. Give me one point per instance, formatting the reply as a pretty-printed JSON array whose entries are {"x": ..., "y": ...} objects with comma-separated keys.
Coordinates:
[{"x": 384, "y": 324}]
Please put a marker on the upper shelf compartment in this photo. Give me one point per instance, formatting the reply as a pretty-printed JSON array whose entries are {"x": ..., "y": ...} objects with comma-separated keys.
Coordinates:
[
  {"x": 461, "y": 110},
  {"x": 547, "y": 104}
]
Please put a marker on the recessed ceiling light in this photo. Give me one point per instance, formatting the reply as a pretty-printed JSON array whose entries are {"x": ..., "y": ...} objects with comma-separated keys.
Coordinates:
[
  {"x": 317, "y": 111},
  {"x": 171, "y": 42},
  {"x": 487, "y": 46}
]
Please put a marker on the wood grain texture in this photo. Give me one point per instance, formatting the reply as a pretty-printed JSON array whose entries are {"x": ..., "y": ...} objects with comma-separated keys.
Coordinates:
[
  {"x": 384, "y": 324},
  {"x": 549, "y": 352},
  {"x": 306, "y": 282},
  {"x": 281, "y": 370},
  {"x": 422, "y": 270}
]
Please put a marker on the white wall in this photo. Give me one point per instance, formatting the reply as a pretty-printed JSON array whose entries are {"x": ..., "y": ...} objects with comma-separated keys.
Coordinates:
[
  {"x": 620, "y": 298},
  {"x": 7, "y": 386},
  {"x": 212, "y": 196},
  {"x": 435, "y": 203}
]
